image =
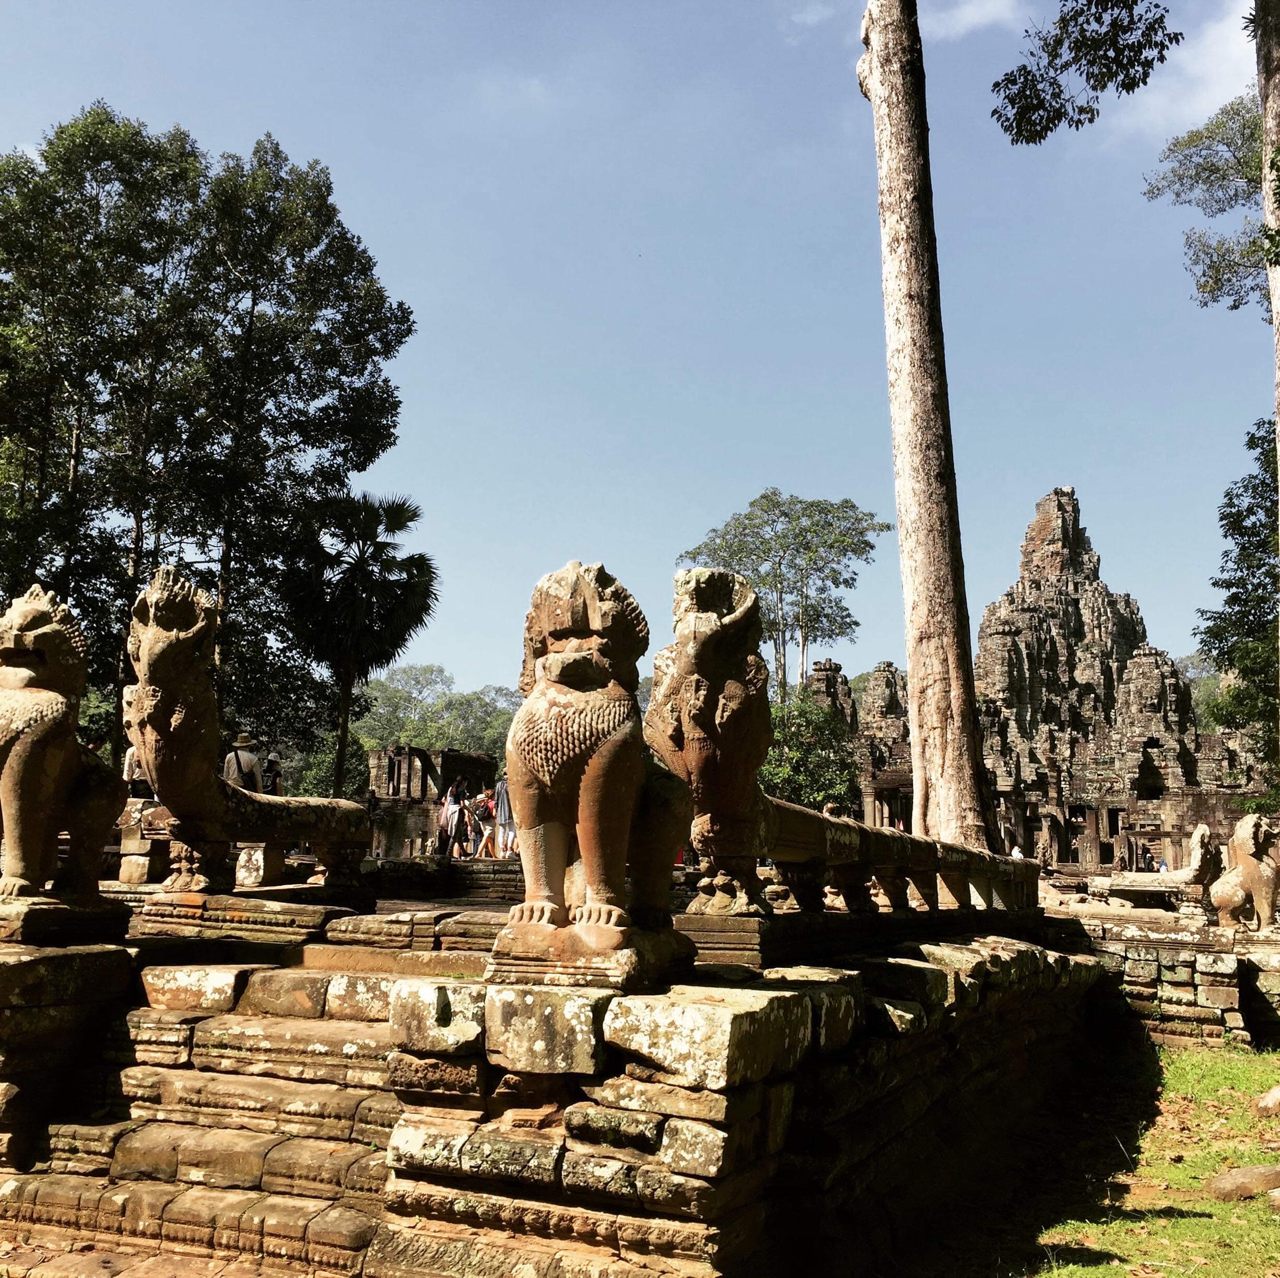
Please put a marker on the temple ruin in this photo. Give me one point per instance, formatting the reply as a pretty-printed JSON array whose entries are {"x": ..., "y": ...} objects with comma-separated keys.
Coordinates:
[{"x": 1090, "y": 738}]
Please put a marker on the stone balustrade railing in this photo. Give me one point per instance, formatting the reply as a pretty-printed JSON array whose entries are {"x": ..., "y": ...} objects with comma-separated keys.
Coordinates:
[{"x": 811, "y": 850}]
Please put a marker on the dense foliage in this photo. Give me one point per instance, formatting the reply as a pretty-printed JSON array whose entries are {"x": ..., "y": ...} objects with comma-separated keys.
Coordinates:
[
  {"x": 1240, "y": 635},
  {"x": 811, "y": 761},
  {"x": 418, "y": 705},
  {"x": 191, "y": 367},
  {"x": 799, "y": 555},
  {"x": 1091, "y": 47}
]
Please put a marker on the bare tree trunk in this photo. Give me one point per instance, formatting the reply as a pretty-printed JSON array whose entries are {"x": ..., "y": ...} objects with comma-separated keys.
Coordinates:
[
  {"x": 952, "y": 798},
  {"x": 1267, "y": 36},
  {"x": 344, "y": 729}
]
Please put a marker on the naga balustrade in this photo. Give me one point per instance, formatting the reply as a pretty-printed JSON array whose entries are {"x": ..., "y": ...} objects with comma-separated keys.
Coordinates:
[{"x": 810, "y": 850}]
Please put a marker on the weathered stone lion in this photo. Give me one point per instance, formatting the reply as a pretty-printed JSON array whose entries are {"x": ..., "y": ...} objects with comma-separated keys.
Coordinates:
[
  {"x": 171, "y": 716},
  {"x": 48, "y": 781},
  {"x": 1254, "y": 873}
]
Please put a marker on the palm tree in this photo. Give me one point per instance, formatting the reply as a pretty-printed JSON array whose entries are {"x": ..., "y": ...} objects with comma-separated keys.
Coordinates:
[{"x": 361, "y": 599}]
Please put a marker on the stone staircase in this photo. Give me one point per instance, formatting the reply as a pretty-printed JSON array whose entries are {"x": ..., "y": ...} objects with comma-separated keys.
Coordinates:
[{"x": 244, "y": 1125}]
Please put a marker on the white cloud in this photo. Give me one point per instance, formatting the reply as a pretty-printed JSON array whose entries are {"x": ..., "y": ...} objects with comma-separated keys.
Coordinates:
[
  {"x": 1214, "y": 64},
  {"x": 955, "y": 19}
]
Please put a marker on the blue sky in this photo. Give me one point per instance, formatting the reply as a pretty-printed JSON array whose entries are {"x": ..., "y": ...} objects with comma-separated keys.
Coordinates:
[{"x": 640, "y": 240}]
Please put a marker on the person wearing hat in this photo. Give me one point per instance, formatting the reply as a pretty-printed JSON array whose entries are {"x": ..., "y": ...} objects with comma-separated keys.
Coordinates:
[
  {"x": 241, "y": 767},
  {"x": 273, "y": 776}
]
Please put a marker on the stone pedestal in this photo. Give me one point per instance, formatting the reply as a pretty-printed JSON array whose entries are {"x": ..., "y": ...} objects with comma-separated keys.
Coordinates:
[
  {"x": 539, "y": 954},
  {"x": 45, "y": 921}
]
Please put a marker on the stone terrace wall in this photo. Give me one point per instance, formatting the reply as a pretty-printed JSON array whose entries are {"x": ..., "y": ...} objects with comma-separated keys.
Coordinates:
[{"x": 723, "y": 1127}]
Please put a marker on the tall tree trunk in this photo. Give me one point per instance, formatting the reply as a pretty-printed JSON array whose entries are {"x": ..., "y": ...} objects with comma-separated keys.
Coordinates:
[
  {"x": 952, "y": 799},
  {"x": 124, "y": 670},
  {"x": 344, "y": 725},
  {"x": 224, "y": 600},
  {"x": 1267, "y": 36}
]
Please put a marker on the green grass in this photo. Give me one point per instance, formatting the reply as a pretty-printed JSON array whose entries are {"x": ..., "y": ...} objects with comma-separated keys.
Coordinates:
[{"x": 1112, "y": 1181}]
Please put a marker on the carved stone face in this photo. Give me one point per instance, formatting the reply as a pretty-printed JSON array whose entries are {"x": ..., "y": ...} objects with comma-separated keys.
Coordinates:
[
  {"x": 171, "y": 635},
  {"x": 41, "y": 646}
]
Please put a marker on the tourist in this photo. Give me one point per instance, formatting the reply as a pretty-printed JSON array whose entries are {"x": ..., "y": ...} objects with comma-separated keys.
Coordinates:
[
  {"x": 241, "y": 767},
  {"x": 1164, "y": 866},
  {"x": 503, "y": 818},
  {"x": 448, "y": 815},
  {"x": 460, "y": 831},
  {"x": 1017, "y": 853},
  {"x": 134, "y": 777},
  {"x": 484, "y": 813},
  {"x": 273, "y": 776},
  {"x": 1148, "y": 862}
]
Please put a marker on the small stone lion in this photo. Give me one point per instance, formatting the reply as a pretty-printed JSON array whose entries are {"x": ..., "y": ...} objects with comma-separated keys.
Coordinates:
[
  {"x": 48, "y": 782},
  {"x": 1253, "y": 875}
]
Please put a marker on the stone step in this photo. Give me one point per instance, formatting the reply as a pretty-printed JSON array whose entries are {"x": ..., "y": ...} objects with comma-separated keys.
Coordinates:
[
  {"x": 158, "y": 1218},
  {"x": 352, "y": 1053},
  {"x": 358, "y": 958},
  {"x": 219, "y": 1159},
  {"x": 197, "y": 987},
  {"x": 341, "y": 996},
  {"x": 324, "y": 1111}
]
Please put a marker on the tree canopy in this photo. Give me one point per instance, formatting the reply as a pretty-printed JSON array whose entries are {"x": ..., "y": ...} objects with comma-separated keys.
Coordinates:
[
  {"x": 420, "y": 706},
  {"x": 811, "y": 761},
  {"x": 799, "y": 554},
  {"x": 192, "y": 365},
  {"x": 1090, "y": 48},
  {"x": 1240, "y": 635},
  {"x": 1217, "y": 169}
]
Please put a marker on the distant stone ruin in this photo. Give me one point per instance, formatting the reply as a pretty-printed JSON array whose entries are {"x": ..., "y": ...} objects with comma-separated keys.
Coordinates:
[{"x": 1090, "y": 739}]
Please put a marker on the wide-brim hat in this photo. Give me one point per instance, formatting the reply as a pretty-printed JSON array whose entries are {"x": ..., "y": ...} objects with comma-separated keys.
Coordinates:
[{"x": 243, "y": 740}]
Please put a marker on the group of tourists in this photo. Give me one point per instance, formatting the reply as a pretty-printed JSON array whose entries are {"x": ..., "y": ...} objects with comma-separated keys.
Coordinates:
[
  {"x": 479, "y": 826},
  {"x": 243, "y": 769}
]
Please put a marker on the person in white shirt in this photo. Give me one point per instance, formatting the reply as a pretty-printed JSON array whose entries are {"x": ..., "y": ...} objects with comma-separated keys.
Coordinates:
[{"x": 241, "y": 767}]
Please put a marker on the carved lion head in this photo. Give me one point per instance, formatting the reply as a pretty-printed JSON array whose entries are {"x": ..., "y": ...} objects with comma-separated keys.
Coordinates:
[
  {"x": 42, "y": 645},
  {"x": 1254, "y": 836},
  {"x": 171, "y": 634}
]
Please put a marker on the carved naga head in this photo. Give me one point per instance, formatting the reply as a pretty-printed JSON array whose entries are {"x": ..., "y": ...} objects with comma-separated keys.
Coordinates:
[
  {"x": 583, "y": 608},
  {"x": 171, "y": 635},
  {"x": 42, "y": 646}
]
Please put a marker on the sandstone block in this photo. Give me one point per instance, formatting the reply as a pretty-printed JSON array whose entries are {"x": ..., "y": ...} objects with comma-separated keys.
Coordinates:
[
  {"x": 903, "y": 978},
  {"x": 1268, "y": 1104},
  {"x": 714, "y": 1038},
  {"x": 354, "y": 996},
  {"x": 599, "y": 1176},
  {"x": 1217, "y": 964},
  {"x": 1268, "y": 982},
  {"x": 448, "y": 1078},
  {"x": 1141, "y": 971},
  {"x": 732, "y": 1106},
  {"x": 540, "y": 1029},
  {"x": 1233, "y": 1020},
  {"x": 309, "y": 1168},
  {"x": 150, "y": 1153},
  {"x": 692, "y": 1148},
  {"x": 35, "y": 976},
  {"x": 670, "y": 1194},
  {"x": 375, "y": 1118},
  {"x": 528, "y": 1155},
  {"x": 156, "y": 1036},
  {"x": 778, "y": 1106},
  {"x": 836, "y": 997},
  {"x": 624, "y": 1128},
  {"x": 348, "y": 1052},
  {"x": 211, "y": 987},
  {"x": 897, "y": 1016},
  {"x": 1217, "y": 996},
  {"x": 224, "y": 1160},
  {"x": 443, "y": 1018},
  {"x": 285, "y": 993},
  {"x": 1178, "y": 995},
  {"x": 197, "y": 1217},
  {"x": 337, "y": 1237},
  {"x": 423, "y": 1145}
]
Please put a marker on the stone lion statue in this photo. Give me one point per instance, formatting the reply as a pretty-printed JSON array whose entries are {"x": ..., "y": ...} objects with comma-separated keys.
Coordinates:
[
  {"x": 171, "y": 716},
  {"x": 576, "y": 762},
  {"x": 1253, "y": 874},
  {"x": 48, "y": 781}
]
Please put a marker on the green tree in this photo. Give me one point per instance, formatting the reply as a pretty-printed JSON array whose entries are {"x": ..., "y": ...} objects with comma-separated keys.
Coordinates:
[
  {"x": 1217, "y": 169},
  {"x": 418, "y": 705},
  {"x": 811, "y": 761},
  {"x": 361, "y": 598},
  {"x": 312, "y": 773},
  {"x": 1205, "y": 680},
  {"x": 1239, "y": 635},
  {"x": 799, "y": 555}
]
